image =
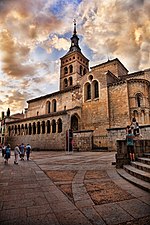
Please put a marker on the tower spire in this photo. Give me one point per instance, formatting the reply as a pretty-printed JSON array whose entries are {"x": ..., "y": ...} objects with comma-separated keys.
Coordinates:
[{"x": 75, "y": 31}]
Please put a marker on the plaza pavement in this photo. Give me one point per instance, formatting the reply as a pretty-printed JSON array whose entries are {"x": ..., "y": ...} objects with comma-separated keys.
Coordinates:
[{"x": 98, "y": 195}]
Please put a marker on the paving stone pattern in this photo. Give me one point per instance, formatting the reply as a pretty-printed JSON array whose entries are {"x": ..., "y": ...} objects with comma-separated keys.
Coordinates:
[{"x": 56, "y": 188}]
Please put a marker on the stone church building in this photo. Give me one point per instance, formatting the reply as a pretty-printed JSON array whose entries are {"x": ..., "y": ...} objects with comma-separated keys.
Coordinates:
[{"x": 97, "y": 103}]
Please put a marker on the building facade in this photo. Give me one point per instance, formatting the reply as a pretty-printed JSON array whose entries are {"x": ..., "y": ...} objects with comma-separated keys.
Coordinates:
[{"x": 97, "y": 103}]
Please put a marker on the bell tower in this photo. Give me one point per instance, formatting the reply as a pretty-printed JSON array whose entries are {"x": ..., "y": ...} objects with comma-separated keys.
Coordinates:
[{"x": 74, "y": 64}]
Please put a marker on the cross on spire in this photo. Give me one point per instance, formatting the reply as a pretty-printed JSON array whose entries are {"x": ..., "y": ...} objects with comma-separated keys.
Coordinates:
[{"x": 74, "y": 32}]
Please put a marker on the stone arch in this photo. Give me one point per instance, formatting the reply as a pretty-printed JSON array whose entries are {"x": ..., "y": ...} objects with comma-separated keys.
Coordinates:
[
  {"x": 34, "y": 128},
  {"x": 30, "y": 129},
  {"x": 53, "y": 126},
  {"x": 43, "y": 127},
  {"x": 59, "y": 123},
  {"x": 74, "y": 122},
  {"x": 38, "y": 127},
  {"x": 48, "y": 127}
]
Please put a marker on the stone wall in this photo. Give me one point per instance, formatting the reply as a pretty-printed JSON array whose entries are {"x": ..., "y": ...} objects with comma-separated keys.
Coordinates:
[
  {"x": 120, "y": 134},
  {"x": 82, "y": 140},
  {"x": 140, "y": 147}
]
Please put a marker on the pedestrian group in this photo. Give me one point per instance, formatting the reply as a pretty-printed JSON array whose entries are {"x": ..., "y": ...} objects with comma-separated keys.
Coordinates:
[{"x": 19, "y": 152}]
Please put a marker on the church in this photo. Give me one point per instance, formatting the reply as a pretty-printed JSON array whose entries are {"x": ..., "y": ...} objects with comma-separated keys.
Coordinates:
[{"x": 95, "y": 103}]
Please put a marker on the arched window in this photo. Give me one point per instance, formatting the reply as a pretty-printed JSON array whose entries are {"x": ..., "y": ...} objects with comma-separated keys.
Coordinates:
[
  {"x": 138, "y": 100},
  {"x": 30, "y": 129},
  {"x": 70, "y": 69},
  {"x": 34, "y": 128},
  {"x": 81, "y": 70},
  {"x": 84, "y": 71},
  {"x": 59, "y": 122},
  {"x": 19, "y": 129},
  {"x": 48, "y": 127},
  {"x": 54, "y": 105},
  {"x": 53, "y": 126},
  {"x": 65, "y": 82},
  {"x": 43, "y": 127},
  {"x": 65, "y": 70},
  {"x": 74, "y": 123},
  {"x": 87, "y": 91},
  {"x": 48, "y": 104},
  {"x": 38, "y": 127},
  {"x": 70, "y": 81},
  {"x": 96, "y": 89}
]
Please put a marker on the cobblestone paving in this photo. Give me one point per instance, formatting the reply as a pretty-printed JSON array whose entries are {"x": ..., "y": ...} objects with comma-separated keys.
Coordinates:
[{"x": 56, "y": 188}]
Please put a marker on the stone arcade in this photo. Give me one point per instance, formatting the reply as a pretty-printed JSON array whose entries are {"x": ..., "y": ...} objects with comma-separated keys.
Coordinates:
[{"x": 97, "y": 103}]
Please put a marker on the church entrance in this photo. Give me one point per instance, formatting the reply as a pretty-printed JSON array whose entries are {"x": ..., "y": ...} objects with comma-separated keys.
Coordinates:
[{"x": 74, "y": 123}]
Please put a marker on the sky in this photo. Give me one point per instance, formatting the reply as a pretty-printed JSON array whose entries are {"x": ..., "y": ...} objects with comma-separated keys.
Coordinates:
[{"x": 34, "y": 35}]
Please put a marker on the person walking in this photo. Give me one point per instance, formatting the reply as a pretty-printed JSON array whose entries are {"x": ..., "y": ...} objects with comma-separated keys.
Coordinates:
[
  {"x": 22, "y": 148},
  {"x": 7, "y": 154},
  {"x": 16, "y": 154},
  {"x": 28, "y": 151},
  {"x": 130, "y": 145}
]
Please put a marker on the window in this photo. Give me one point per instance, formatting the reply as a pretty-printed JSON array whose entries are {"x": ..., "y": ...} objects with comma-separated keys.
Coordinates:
[
  {"x": 53, "y": 126},
  {"x": 59, "y": 122},
  {"x": 81, "y": 69},
  {"x": 48, "y": 104},
  {"x": 84, "y": 71},
  {"x": 54, "y": 105},
  {"x": 65, "y": 82},
  {"x": 88, "y": 91},
  {"x": 48, "y": 127},
  {"x": 96, "y": 89},
  {"x": 70, "y": 81},
  {"x": 70, "y": 69},
  {"x": 138, "y": 99},
  {"x": 65, "y": 70}
]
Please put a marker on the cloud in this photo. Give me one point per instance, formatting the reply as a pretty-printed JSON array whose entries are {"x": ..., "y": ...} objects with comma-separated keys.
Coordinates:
[{"x": 118, "y": 29}]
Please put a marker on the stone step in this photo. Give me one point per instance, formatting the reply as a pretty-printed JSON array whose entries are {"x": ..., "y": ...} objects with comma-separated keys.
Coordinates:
[
  {"x": 147, "y": 154},
  {"x": 141, "y": 166},
  {"x": 134, "y": 180},
  {"x": 144, "y": 160},
  {"x": 137, "y": 173}
]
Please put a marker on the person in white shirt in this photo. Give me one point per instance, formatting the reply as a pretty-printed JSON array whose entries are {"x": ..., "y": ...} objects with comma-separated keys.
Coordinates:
[{"x": 16, "y": 154}]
